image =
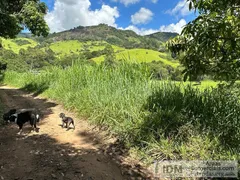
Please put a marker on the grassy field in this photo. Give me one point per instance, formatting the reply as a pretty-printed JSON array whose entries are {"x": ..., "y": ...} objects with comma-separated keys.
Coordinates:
[
  {"x": 158, "y": 120},
  {"x": 66, "y": 47},
  {"x": 100, "y": 45},
  {"x": 12, "y": 45},
  {"x": 204, "y": 84},
  {"x": 141, "y": 55},
  {"x": 74, "y": 46}
]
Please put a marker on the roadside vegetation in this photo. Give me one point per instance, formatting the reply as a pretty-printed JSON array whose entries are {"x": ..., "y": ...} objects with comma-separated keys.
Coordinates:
[{"x": 159, "y": 120}]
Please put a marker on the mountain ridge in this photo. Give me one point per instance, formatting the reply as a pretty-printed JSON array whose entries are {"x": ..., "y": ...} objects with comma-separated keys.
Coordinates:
[
  {"x": 102, "y": 32},
  {"x": 163, "y": 36}
]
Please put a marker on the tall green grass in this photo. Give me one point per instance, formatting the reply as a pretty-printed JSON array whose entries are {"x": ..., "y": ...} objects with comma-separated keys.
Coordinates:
[
  {"x": 191, "y": 123},
  {"x": 162, "y": 120}
]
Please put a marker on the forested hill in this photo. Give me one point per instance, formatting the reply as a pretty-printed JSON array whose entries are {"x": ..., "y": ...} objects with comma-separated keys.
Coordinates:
[
  {"x": 123, "y": 38},
  {"x": 162, "y": 36}
]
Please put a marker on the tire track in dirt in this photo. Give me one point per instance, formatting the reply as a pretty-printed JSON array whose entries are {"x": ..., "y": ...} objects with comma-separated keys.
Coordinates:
[{"x": 55, "y": 153}]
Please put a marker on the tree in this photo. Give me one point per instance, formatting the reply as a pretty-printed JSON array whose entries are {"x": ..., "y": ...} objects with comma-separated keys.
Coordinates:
[
  {"x": 15, "y": 15},
  {"x": 13, "y": 61},
  {"x": 210, "y": 44},
  {"x": 110, "y": 57},
  {"x": 36, "y": 58}
]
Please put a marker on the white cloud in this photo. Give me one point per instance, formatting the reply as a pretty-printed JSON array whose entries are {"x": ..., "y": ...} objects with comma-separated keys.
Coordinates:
[
  {"x": 181, "y": 9},
  {"x": 71, "y": 13},
  {"x": 140, "y": 31},
  {"x": 127, "y": 2},
  {"x": 143, "y": 16},
  {"x": 177, "y": 28},
  {"x": 154, "y": 1},
  {"x": 174, "y": 27}
]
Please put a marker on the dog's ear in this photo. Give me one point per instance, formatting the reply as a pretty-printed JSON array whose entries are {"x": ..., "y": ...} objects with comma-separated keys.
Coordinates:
[
  {"x": 61, "y": 115},
  {"x": 12, "y": 111}
]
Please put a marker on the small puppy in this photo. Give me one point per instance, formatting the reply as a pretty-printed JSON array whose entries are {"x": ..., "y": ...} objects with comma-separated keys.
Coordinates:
[
  {"x": 22, "y": 116},
  {"x": 66, "y": 120}
]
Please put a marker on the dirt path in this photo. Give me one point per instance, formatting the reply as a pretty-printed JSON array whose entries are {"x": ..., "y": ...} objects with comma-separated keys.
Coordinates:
[{"x": 55, "y": 153}]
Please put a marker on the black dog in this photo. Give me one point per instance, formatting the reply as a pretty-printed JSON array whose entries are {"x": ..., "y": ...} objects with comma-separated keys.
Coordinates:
[
  {"x": 66, "y": 120},
  {"x": 22, "y": 116}
]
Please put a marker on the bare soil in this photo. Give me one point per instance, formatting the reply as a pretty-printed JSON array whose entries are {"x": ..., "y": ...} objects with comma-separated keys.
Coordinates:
[{"x": 54, "y": 153}]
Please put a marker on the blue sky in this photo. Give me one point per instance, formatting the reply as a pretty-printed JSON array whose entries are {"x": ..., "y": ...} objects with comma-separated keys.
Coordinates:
[{"x": 141, "y": 16}]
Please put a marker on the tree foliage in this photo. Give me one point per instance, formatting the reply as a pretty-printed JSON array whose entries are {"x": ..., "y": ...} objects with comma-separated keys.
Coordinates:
[
  {"x": 37, "y": 59},
  {"x": 211, "y": 43},
  {"x": 27, "y": 60},
  {"x": 13, "y": 61},
  {"x": 110, "y": 57},
  {"x": 15, "y": 15},
  {"x": 3, "y": 67}
]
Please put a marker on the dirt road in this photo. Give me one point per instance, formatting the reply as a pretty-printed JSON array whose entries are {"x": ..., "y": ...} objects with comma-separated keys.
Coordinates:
[{"x": 53, "y": 152}]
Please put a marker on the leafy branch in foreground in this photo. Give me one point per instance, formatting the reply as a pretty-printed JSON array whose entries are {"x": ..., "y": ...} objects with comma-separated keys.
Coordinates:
[
  {"x": 211, "y": 43},
  {"x": 15, "y": 15}
]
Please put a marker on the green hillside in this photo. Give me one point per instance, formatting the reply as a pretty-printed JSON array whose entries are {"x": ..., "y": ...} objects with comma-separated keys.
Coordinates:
[
  {"x": 141, "y": 55},
  {"x": 71, "y": 47},
  {"x": 131, "y": 55},
  {"x": 16, "y": 44},
  {"x": 90, "y": 43},
  {"x": 66, "y": 47},
  {"x": 76, "y": 47},
  {"x": 162, "y": 36},
  {"x": 102, "y": 32}
]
